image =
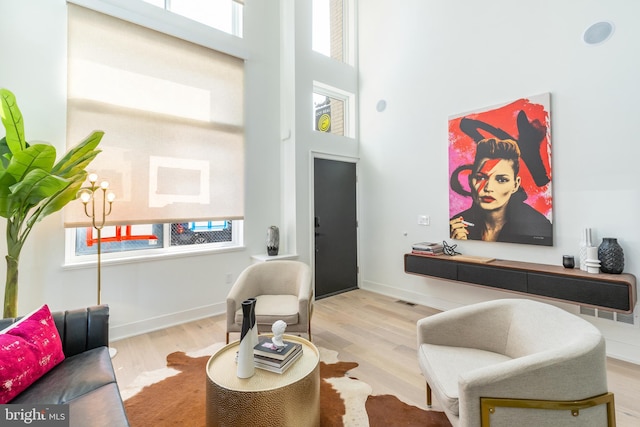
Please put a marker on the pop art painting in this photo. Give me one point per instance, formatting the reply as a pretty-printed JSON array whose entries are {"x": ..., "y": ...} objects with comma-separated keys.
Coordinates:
[{"x": 500, "y": 173}]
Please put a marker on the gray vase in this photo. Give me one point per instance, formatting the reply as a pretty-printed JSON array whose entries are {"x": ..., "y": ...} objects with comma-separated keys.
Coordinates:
[
  {"x": 273, "y": 240},
  {"x": 611, "y": 256}
]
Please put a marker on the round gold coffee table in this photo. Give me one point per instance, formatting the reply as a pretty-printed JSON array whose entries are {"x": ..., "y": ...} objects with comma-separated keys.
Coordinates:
[{"x": 267, "y": 398}]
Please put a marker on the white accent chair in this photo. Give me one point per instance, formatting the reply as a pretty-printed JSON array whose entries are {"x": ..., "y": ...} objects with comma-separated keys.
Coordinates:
[
  {"x": 283, "y": 291},
  {"x": 515, "y": 362}
]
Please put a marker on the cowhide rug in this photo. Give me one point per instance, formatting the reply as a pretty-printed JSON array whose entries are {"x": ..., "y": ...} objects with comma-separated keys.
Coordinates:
[{"x": 175, "y": 396}]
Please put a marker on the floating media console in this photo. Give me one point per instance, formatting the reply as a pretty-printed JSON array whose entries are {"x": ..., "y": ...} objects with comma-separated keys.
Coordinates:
[{"x": 613, "y": 292}]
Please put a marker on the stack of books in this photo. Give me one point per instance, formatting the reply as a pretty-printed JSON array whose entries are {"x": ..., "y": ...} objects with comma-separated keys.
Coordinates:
[
  {"x": 275, "y": 359},
  {"x": 427, "y": 248}
]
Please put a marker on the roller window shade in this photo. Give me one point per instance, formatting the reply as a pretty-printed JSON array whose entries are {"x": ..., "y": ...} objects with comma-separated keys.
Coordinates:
[{"x": 173, "y": 117}]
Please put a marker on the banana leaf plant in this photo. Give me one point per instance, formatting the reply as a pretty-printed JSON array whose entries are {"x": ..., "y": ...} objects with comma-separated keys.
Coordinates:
[{"x": 33, "y": 185}]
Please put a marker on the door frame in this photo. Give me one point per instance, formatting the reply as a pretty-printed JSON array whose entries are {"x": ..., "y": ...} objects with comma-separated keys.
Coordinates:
[{"x": 312, "y": 208}]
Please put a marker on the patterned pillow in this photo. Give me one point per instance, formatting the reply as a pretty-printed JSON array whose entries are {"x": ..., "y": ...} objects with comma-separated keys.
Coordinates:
[{"x": 28, "y": 349}]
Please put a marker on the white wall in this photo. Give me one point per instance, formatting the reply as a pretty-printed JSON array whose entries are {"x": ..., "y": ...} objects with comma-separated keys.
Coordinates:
[
  {"x": 148, "y": 294},
  {"x": 432, "y": 59}
]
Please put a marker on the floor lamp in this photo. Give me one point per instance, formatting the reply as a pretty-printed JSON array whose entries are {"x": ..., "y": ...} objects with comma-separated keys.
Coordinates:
[{"x": 88, "y": 197}]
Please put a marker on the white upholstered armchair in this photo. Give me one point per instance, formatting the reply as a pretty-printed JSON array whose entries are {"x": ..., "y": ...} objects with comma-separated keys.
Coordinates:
[
  {"x": 515, "y": 362},
  {"x": 283, "y": 291}
]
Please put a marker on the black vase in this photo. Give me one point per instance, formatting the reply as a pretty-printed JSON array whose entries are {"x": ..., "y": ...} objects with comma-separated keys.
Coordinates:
[
  {"x": 247, "y": 308},
  {"x": 611, "y": 256}
]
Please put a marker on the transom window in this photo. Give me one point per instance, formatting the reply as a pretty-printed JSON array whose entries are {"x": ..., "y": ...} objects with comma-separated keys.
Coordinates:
[
  {"x": 332, "y": 110},
  {"x": 223, "y": 15},
  {"x": 331, "y": 29}
]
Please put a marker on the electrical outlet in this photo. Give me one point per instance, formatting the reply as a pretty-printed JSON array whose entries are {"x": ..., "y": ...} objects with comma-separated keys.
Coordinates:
[
  {"x": 228, "y": 278},
  {"x": 424, "y": 220}
]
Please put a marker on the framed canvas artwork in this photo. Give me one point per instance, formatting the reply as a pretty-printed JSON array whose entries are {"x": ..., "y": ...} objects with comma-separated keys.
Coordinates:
[{"x": 500, "y": 173}]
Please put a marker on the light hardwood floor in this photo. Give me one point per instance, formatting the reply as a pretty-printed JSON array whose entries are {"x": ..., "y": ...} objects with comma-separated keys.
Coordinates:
[{"x": 376, "y": 331}]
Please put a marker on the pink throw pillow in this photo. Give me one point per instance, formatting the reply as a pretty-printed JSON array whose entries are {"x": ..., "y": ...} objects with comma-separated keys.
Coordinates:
[{"x": 29, "y": 349}]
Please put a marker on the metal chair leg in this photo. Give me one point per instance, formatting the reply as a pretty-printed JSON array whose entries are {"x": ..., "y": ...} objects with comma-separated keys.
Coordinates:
[{"x": 488, "y": 406}]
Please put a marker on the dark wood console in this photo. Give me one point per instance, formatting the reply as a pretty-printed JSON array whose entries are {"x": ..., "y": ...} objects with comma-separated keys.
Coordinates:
[{"x": 612, "y": 292}]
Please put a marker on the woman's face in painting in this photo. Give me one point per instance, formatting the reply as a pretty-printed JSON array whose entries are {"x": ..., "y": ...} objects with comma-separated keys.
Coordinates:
[{"x": 494, "y": 183}]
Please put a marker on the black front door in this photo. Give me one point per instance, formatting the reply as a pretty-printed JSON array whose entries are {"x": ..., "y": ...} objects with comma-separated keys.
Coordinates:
[{"x": 336, "y": 251}]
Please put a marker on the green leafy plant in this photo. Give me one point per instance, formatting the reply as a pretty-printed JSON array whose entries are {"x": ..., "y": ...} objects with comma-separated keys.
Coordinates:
[{"x": 33, "y": 185}]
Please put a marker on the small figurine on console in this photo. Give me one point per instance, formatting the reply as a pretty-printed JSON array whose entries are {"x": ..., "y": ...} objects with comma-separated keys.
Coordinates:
[{"x": 278, "y": 330}]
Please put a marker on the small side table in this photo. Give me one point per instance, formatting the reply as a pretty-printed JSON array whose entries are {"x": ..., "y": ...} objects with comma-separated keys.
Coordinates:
[{"x": 267, "y": 398}]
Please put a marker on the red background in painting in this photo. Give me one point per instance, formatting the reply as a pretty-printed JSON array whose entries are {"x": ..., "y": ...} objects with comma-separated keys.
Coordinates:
[{"x": 462, "y": 149}]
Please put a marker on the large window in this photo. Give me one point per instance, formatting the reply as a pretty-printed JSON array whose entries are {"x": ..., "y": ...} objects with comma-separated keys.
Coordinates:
[
  {"x": 224, "y": 15},
  {"x": 173, "y": 149}
]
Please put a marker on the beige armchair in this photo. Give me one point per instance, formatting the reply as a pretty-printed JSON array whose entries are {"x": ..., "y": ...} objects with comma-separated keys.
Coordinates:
[
  {"x": 284, "y": 292},
  {"x": 515, "y": 362}
]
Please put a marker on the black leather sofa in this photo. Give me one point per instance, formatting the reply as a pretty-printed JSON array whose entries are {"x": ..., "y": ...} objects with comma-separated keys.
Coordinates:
[{"x": 85, "y": 380}]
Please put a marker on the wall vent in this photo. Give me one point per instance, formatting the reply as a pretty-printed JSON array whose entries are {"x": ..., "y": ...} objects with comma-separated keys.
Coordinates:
[{"x": 609, "y": 315}]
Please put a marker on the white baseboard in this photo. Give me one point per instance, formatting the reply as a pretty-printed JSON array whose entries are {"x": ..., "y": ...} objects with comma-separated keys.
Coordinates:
[
  {"x": 616, "y": 349},
  {"x": 390, "y": 291},
  {"x": 623, "y": 351},
  {"x": 161, "y": 322}
]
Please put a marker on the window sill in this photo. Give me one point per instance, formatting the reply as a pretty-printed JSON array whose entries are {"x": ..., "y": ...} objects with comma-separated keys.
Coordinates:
[
  {"x": 166, "y": 254},
  {"x": 265, "y": 257}
]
